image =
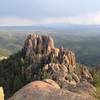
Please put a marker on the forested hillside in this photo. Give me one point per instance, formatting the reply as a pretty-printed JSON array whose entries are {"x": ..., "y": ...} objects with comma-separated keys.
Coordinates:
[
  {"x": 86, "y": 48},
  {"x": 10, "y": 42}
]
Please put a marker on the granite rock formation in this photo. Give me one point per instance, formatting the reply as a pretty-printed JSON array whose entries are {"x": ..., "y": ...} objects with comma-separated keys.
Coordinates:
[
  {"x": 47, "y": 90},
  {"x": 45, "y": 61},
  {"x": 58, "y": 63},
  {"x": 40, "y": 50}
]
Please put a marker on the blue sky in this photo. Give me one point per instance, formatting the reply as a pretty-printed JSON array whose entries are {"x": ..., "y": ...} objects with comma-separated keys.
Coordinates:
[{"x": 34, "y": 12}]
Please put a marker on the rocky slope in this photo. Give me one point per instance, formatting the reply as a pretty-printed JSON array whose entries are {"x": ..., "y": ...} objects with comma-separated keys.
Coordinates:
[{"x": 44, "y": 61}]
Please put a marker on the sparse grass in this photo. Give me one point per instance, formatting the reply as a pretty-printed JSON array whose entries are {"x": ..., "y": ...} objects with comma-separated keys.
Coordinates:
[
  {"x": 98, "y": 92},
  {"x": 97, "y": 84}
]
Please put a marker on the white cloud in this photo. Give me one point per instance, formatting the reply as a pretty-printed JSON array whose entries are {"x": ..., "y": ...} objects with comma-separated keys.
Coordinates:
[
  {"x": 91, "y": 18},
  {"x": 15, "y": 21}
]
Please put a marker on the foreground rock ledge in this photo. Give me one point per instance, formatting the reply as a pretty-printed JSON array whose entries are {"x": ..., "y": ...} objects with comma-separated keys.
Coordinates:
[{"x": 47, "y": 90}]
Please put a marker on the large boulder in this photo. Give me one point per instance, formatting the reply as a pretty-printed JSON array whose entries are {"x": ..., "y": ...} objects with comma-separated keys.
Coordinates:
[{"x": 47, "y": 90}]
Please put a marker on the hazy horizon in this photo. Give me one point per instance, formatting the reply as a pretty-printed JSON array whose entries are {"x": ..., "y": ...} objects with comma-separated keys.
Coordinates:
[{"x": 42, "y": 12}]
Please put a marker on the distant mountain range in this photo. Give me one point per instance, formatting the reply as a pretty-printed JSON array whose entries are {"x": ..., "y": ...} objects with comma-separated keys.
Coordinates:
[{"x": 73, "y": 29}]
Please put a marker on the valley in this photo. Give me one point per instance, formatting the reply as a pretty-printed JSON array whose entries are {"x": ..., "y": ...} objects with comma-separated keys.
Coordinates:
[{"x": 86, "y": 47}]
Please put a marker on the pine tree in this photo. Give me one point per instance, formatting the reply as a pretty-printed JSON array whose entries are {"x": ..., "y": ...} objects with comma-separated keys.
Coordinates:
[{"x": 17, "y": 84}]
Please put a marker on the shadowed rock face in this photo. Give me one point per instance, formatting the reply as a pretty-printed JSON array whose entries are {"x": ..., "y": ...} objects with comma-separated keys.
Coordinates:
[{"x": 47, "y": 90}]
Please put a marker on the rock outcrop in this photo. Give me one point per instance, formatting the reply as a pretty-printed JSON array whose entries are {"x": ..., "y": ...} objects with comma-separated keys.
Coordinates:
[
  {"x": 52, "y": 71},
  {"x": 57, "y": 62},
  {"x": 85, "y": 74},
  {"x": 44, "y": 45},
  {"x": 45, "y": 61},
  {"x": 47, "y": 90},
  {"x": 38, "y": 44}
]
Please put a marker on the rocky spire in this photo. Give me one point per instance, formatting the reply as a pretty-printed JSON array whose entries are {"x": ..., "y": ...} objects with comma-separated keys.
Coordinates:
[
  {"x": 38, "y": 44},
  {"x": 59, "y": 63}
]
